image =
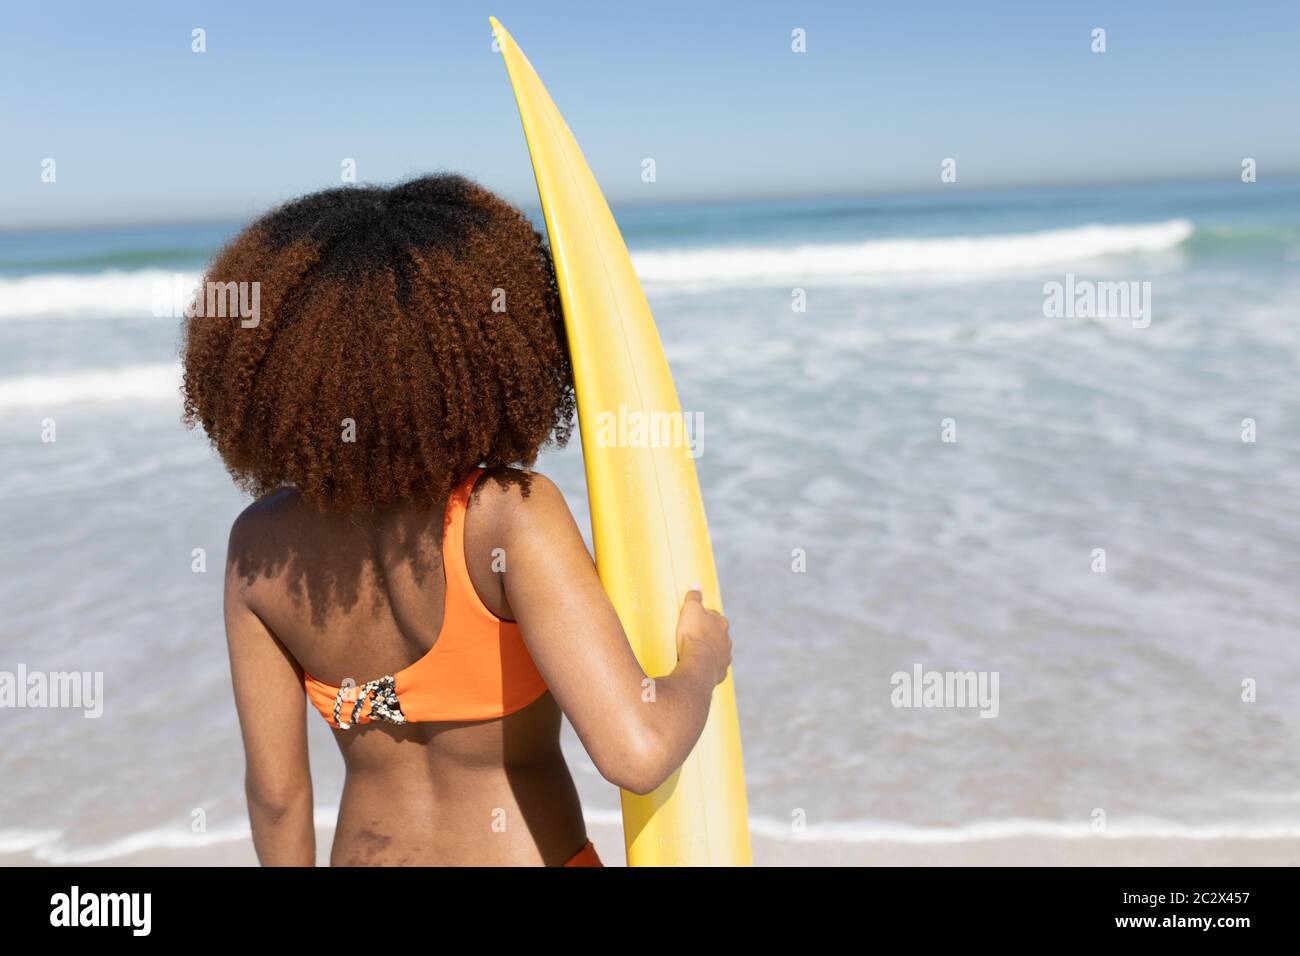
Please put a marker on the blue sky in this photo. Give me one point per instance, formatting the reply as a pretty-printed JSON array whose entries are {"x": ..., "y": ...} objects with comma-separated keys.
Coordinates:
[{"x": 141, "y": 128}]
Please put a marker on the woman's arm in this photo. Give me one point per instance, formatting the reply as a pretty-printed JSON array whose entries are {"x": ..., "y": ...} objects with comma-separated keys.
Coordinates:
[
  {"x": 273, "y": 719},
  {"x": 578, "y": 644}
]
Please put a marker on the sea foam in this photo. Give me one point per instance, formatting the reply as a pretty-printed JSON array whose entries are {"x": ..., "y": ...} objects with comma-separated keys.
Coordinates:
[
  {"x": 903, "y": 258},
  {"x": 153, "y": 382},
  {"x": 101, "y": 295},
  {"x": 132, "y": 294}
]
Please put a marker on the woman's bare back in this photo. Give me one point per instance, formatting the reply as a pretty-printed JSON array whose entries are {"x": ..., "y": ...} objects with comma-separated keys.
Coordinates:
[{"x": 353, "y": 597}]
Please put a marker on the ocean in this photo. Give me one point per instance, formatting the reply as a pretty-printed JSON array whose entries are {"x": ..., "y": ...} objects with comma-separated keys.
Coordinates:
[{"x": 913, "y": 462}]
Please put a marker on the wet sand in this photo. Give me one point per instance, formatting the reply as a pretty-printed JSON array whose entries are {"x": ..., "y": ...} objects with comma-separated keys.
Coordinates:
[{"x": 770, "y": 851}]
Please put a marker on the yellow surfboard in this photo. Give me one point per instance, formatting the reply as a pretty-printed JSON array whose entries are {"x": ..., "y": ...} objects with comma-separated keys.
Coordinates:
[{"x": 647, "y": 519}]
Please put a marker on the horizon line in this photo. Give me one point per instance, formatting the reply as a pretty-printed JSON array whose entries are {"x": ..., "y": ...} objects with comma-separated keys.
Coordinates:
[{"x": 110, "y": 224}]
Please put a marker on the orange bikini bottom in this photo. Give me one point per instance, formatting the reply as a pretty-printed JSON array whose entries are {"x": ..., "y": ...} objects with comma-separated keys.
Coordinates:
[{"x": 585, "y": 857}]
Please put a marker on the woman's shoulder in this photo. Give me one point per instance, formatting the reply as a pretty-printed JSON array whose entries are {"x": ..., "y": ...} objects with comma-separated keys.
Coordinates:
[
  {"x": 507, "y": 500},
  {"x": 261, "y": 537},
  {"x": 266, "y": 512},
  {"x": 511, "y": 484}
]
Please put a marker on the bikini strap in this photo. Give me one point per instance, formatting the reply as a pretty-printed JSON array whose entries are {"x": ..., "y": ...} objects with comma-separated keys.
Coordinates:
[{"x": 453, "y": 537}]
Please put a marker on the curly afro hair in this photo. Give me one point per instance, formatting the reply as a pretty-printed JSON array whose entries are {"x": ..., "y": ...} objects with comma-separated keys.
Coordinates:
[{"x": 404, "y": 335}]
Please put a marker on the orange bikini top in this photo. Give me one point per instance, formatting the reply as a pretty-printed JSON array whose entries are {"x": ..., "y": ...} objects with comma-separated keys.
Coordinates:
[{"x": 478, "y": 669}]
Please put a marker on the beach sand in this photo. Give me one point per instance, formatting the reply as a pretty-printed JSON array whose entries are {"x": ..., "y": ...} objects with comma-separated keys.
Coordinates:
[{"x": 769, "y": 851}]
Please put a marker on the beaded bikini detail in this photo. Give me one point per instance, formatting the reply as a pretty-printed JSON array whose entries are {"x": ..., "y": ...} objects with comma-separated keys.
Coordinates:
[{"x": 384, "y": 705}]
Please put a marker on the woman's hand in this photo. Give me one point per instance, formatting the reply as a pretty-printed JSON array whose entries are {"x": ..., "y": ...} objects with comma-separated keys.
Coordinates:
[{"x": 704, "y": 633}]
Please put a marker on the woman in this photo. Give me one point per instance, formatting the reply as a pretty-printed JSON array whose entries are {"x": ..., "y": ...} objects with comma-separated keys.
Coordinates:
[{"x": 435, "y": 602}]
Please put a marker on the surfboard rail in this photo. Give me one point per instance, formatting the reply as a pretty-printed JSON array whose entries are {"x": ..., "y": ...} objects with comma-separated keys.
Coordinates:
[{"x": 649, "y": 529}]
